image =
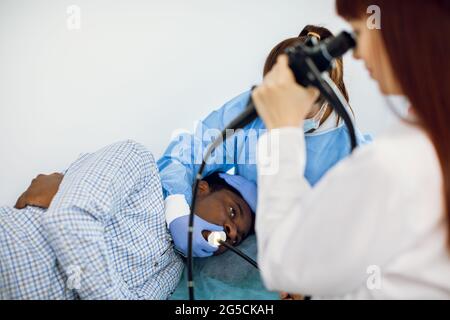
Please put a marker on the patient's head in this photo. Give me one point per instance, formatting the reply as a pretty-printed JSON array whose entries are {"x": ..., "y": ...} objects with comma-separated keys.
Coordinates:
[{"x": 221, "y": 204}]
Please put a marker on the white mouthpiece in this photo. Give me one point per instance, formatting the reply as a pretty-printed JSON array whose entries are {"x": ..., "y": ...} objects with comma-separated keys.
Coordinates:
[{"x": 215, "y": 237}]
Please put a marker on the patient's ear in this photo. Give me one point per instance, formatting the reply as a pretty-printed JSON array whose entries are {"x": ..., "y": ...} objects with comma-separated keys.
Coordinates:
[{"x": 203, "y": 188}]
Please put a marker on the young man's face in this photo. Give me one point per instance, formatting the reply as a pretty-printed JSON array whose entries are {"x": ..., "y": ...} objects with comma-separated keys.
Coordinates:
[{"x": 227, "y": 209}]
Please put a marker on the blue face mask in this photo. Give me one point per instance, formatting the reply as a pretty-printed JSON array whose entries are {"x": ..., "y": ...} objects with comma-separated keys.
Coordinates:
[{"x": 312, "y": 124}]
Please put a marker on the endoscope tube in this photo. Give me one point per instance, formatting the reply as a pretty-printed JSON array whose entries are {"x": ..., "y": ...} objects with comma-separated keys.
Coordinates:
[{"x": 240, "y": 253}]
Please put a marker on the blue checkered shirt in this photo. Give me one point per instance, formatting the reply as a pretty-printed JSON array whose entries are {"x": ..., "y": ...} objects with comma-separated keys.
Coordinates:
[{"x": 103, "y": 237}]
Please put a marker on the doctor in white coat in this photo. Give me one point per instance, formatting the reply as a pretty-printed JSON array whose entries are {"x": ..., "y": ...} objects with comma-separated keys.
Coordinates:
[{"x": 377, "y": 225}]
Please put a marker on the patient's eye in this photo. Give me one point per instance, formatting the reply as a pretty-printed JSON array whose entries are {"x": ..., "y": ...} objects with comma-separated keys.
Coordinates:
[{"x": 232, "y": 212}]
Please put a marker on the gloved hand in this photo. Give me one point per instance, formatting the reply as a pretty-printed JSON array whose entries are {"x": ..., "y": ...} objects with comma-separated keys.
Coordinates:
[
  {"x": 200, "y": 247},
  {"x": 246, "y": 188}
]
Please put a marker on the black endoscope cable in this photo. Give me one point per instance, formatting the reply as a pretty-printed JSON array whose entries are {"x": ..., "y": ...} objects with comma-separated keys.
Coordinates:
[{"x": 239, "y": 253}]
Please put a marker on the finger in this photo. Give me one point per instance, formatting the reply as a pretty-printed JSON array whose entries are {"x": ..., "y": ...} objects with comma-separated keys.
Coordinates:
[
  {"x": 37, "y": 204},
  {"x": 58, "y": 176},
  {"x": 203, "y": 249},
  {"x": 284, "y": 295},
  {"x": 203, "y": 254},
  {"x": 283, "y": 60},
  {"x": 259, "y": 106},
  {"x": 33, "y": 201},
  {"x": 283, "y": 72},
  {"x": 257, "y": 97},
  {"x": 207, "y": 254},
  {"x": 281, "y": 65},
  {"x": 205, "y": 246},
  {"x": 21, "y": 202}
]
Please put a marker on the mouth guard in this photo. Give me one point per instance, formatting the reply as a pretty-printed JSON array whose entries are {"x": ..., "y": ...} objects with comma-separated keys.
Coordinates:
[{"x": 215, "y": 237}]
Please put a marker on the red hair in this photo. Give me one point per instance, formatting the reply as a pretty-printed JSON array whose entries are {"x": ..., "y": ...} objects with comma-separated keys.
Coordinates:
[{"x": 415, "y": 34}]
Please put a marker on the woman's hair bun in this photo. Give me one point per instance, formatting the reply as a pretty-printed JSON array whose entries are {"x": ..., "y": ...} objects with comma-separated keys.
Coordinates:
[{"x": 322, "y": 32}]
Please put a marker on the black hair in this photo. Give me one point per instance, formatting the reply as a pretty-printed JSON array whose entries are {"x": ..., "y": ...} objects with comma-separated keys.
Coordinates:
[{"x": 216, "y": 183}]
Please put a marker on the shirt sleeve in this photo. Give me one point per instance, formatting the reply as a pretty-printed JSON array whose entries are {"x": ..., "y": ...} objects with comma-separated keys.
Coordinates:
[
  {"x": 182, "y": 159},
  {"x": 322, "y": 240}
]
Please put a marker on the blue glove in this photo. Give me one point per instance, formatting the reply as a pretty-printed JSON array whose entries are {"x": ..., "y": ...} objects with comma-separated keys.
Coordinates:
[
  {"x": 246, "y": 188},
  {"x": 200, "y": 247}
]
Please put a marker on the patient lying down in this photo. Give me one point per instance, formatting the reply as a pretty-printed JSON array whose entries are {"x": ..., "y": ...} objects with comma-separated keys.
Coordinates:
[{"x": 104, "y": 234}]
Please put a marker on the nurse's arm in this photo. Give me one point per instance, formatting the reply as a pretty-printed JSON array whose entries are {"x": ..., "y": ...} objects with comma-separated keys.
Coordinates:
[
  {"x": 181, "y": 160},
  {"x": 322, "y": 241}
]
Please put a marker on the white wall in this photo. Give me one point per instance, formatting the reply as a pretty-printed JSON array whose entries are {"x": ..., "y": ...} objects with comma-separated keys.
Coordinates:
[{"x": 137, "y": 69}]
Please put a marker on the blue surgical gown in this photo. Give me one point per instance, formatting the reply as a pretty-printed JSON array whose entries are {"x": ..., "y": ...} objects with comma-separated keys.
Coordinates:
[{"x": 181, "y": 161}]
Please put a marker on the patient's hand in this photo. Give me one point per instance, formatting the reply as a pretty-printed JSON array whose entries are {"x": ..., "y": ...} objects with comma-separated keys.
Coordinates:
[
  {"x": 290, "y": 296},
  {"x": 41, "y": 191}
]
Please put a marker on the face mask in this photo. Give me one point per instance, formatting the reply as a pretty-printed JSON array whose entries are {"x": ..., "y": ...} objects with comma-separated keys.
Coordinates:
[{"x": 312, "y": 124}]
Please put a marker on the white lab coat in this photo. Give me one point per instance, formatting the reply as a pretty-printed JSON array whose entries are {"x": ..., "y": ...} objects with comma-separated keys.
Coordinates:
[{"x": 373, "y": 227}]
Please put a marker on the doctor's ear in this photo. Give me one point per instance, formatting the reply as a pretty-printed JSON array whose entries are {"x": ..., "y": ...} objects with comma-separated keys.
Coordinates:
[{"x": 203, "y": 188}]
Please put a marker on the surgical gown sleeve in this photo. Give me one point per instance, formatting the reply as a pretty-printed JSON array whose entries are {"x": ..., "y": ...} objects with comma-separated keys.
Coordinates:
[{"x": 182, "y": 159}]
